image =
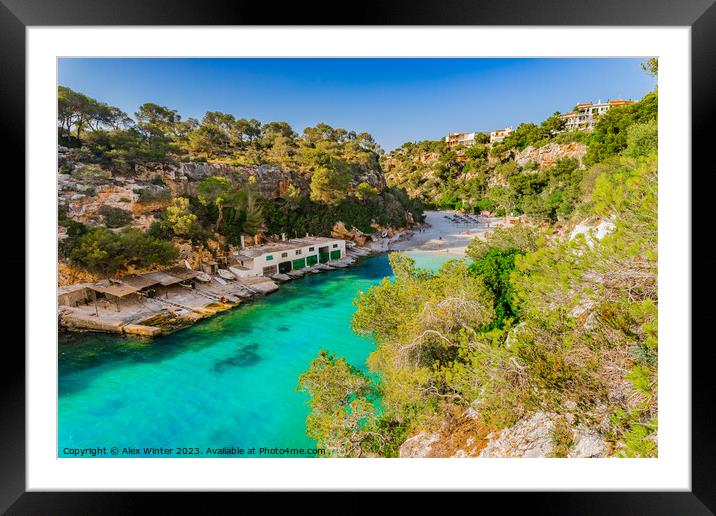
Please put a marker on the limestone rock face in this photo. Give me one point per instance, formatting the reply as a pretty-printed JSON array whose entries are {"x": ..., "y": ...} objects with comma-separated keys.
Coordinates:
[
  {"x": 549, "y": 154},
  {"x": 418, "y": 446},
  {"x": 527, "y": 438},
  {"x": 271, "y": 180},
  {"x": 147, "y": 188},
  {"x": 588, "y": 444},
  {"x": 532, "y": 438},
  {"x": 339, "y": 230},
  {"x": 592, "y": 230}
]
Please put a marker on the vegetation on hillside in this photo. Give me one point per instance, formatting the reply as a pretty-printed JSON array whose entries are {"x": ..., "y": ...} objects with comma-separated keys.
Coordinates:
[
  {"x": 486, "y": 177},
  {"x": 536, "y": 323},
  {"x": 332, "y": 161}
]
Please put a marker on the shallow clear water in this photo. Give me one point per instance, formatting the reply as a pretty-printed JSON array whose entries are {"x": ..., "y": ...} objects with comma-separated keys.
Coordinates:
[{"x": 229, "y": 381}]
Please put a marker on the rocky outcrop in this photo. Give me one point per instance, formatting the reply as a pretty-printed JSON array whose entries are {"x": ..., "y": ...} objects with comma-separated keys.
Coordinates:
[
  {"x": 527, "y": 438},
  {"x": 588, "y": 444},
  {"x": 592, "y": 230},
  {"x": 339, "y": 230},
  {"x": 147, "y": 188},
  {"x": 271, "y": 180},
  {"x": 532, "y": 437},
  {"x": 83, "y": 199},
  {"x": 418, "y": 446},
  {"x": 549, "y": 154}
]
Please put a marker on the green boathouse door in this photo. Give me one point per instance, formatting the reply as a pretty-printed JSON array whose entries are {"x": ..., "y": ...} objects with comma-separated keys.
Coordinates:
[{"x": 323, "y": 255}]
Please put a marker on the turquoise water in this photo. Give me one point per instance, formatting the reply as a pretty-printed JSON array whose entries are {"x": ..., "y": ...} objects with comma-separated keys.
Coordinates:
[{"x": 227, "y": 382}]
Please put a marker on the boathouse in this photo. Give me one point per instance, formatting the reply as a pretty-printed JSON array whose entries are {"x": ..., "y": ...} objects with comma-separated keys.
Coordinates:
[
  {"x": 286, "y": 256},
  {"x": 116, "y": 290}
]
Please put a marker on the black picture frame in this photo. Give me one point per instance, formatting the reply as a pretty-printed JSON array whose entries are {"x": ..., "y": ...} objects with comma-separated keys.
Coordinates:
[{"x": 16, "y": 15}]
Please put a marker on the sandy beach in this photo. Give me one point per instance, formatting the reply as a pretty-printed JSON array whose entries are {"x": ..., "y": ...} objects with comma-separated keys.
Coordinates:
[{"x": 445, "y": 236}]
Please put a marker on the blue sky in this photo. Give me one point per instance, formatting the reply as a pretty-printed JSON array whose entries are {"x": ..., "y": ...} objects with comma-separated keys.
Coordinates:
[{"x": 396, "y": 100}]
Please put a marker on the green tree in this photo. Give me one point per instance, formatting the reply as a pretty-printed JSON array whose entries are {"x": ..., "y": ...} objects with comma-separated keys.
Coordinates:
[
  {"x": 365, "y": 191},
  {"x": 421, "y": 322},
  {"x": 99, "y": 251},
  {"x": 180, "y": 219},
  {"x": 642, "y": 139},
  {"x": 477, "y": 152},
  {"x": 158, "y": 121},
  {"x": 495, "y": 268},
  {"x": 342, "y": 412},
  {"x": 553, "y": 124},
  {"x": 218, "y": 192},
  {"x": 651, "y": 66},
  {"x": 504, "y": 198},
  {"x": 254, "y": 219},
  {"x": 143, "y": 250},
  {"x": 208, "y": 139},
  {"x": 79, "y": 111},
  {"x": 522, "y": 237},
  {"x": 330, "y": 180},
  {"x": 105, "y": 252},
  {"x": 609, "y": 136}
]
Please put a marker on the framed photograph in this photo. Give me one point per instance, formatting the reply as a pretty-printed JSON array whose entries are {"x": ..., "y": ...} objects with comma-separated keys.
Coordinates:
[{"x": 437, "y": 250}]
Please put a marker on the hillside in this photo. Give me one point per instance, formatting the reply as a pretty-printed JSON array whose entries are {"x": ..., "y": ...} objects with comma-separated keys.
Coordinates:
[
  {"x": 545, "y": 345},
  {"x": 144, "y": 192},
  {"x": 538, "y": 170}
]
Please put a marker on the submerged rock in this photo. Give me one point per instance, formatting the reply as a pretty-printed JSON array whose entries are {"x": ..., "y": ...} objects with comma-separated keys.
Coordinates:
[{"x": 245, "y": 356}]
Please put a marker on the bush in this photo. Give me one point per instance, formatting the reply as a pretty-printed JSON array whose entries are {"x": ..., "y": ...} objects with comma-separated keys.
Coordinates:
[
  {"x": 642, "y": 139},
  {"x": 104, "y": 252},
  {"x": 609, "y": 136},
  {"x": 147, "y": 195},
  {"x": 115, "y": 217},
  {"x": 495, "y": 267},
  {"x": 91, "y": 171},
  {"x": 524, "y": 238},
  {"x": 485, "y": 204}
]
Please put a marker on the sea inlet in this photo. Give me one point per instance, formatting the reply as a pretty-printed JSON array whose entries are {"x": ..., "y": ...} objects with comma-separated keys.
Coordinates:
[{"x": 227, "y": 384}]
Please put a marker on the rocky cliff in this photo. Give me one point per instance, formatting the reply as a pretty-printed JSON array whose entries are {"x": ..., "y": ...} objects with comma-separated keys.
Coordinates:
[
  {"x": 148, "y": 188},
  {"x": 549, "y": 154}
]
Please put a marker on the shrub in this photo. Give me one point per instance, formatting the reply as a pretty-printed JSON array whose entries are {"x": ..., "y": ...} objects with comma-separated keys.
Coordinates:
[
  {"x": 147, "y": 195},
  {"x": 494, "y": 268},
  {"x": 115, "y": 217},
  {"x": 91, "y": 172},
  {"x": 642, "y": 139},
  {"x": 105, "y": 252}
]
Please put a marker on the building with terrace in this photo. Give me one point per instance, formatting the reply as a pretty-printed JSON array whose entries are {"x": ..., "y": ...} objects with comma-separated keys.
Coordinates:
[
  {"x": 585, "y": 115},
  {"x": 455, "y": 139},
  {"x": 499, "y": 134}
]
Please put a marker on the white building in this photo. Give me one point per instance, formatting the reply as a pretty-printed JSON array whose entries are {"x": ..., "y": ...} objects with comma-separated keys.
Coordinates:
[
  {"x": 585, "y": 116},
  {"x": 499, "y": 134},
  {"x": 287, "y": 255},
  {"x": 455, "y": 139}
]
